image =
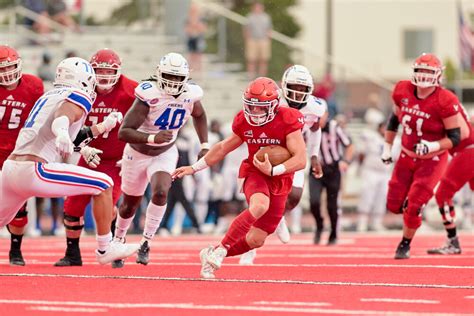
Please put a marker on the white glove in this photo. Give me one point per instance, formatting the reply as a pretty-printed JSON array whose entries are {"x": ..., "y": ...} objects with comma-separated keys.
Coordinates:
[
  {"x": 387, "y": 154},
  {"x": 64, "y": 145},
  {"x": 91, "y": 156},
  {"x": 425, "y": 147},
  {"x": 110, "y": 122},
  {"x": 60, "y": 128}
]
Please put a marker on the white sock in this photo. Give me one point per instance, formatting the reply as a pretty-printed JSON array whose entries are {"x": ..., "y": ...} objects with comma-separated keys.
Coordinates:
[
  {"x": 154, "y": 215},
  {"x": 122, "y": 225},
  {"x": 103, "y": 241}
]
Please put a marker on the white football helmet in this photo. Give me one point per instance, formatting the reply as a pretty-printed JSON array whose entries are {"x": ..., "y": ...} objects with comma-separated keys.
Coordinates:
[
  {"x": 297, "y": 75},
  {"x": 172, "y": 64},
  {"x": 76, "y": 73}
]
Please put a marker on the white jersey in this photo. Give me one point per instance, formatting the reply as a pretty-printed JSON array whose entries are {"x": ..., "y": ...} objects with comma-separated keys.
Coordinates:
[
  {"x": 313, "y": 111},
  {"x": 36, "y": 137},
  {"x": 371, "y": 145},
  {"x": 166, "y": 111}
]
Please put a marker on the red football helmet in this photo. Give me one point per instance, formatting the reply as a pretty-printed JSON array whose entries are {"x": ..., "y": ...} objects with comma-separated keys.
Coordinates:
[
  {"x": 9, "y": 57},
  {"x": 261, "y": 101},
  {"x": 106, "y": 59},
  {"x": 427, "y": 71}
]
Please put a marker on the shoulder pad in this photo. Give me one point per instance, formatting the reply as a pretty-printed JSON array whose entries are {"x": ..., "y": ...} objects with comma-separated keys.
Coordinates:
[
  {"x": 80, "y": 99},
  {"x": 318, "y": 105},
  {"x": 147, "y": 92},
  {"x": 194, "y": 92}
]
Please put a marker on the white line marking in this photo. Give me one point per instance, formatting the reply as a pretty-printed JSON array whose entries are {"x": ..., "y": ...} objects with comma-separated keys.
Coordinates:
[
  {"x": 469, "y": 297},
  {"x": 303, "y": 265},
  {"x": 293, "y": 303},
  {"x": 151, "y": 278},
  {"x": 399, "y": 300},
  {"x": 224, "y": 307},
  {"x": 67, "y": 309}
]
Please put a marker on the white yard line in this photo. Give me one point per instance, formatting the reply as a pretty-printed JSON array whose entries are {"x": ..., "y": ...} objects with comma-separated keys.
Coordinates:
[{"x": 399, "y": 300}]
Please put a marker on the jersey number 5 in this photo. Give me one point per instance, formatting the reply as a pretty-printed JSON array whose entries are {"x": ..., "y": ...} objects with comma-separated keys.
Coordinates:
[
  {"x": 176, "y": 121},
  {"x": 419, "y": 122}
]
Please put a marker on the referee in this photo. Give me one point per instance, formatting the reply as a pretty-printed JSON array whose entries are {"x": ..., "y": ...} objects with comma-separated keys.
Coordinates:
[{"x": 335, "y": 155}]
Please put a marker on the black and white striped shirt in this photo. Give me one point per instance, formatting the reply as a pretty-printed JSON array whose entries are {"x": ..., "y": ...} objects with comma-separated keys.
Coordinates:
[{"x": 333, "y": 141}]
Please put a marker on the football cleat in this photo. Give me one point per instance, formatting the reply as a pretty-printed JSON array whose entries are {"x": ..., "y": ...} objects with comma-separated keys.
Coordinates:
[
  {"x": 207, "y": 271},
  {"x": 69, "y": 261},
  {"x": 143, "y": 253},
  {"x": 116, "y": 250},
  {"x": 216, "y": 257},
  {"x": 282, "y": 231},
  {"x": 247, "y": 258},
  {"x": 16, "y": 258},
  {"x": 317, "y": 237},
  {"x": 117, "y": 264},
  {"x": 403, "y": 251},
  {"x": 451, "y": 247}
]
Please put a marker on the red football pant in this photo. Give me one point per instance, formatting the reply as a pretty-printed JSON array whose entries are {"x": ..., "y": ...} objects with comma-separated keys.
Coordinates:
[
  {"x": 460, "y": 171},
  {"x": 415, "y": 180},
  {"x": 76, "y": 205}
]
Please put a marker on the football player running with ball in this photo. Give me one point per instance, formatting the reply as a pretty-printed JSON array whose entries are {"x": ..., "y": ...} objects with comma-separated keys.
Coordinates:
[
  {"x": 297, "y": 85},
  {"x": 261, "y": 123},
  {"x": 432, "y": 124},
  {"x": 162, "y": 106}
]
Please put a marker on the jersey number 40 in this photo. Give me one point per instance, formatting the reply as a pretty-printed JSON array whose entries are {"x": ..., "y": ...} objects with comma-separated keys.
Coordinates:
[{"x": 171, "y": 119}]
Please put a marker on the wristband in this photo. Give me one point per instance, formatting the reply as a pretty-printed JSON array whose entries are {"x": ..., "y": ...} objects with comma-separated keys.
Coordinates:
[
  {"x": 200, "y": 165},
  {"x": 278, "y": 170},
  {"x": 100, "y": 128},
  {"x": 205, "y": 146},
  {"x": 151, "y": 139}
]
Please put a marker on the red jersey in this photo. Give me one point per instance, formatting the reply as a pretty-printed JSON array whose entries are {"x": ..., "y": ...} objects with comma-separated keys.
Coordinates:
[
  {"x": 120, "y": 99},
  {"x": 15, "y": 105},
  {"x": 286, "y": 121},
  {"x": 423, "y": 119},
  {"x": 467, "y": 141}
]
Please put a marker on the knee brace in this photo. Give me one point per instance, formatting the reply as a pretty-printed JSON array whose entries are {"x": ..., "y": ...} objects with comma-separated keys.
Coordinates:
[
  {"x": 73, "y": 223},
  {"x": 448, "y": 214},
  {"x": 412, "y": 216},
  {"x": 21, "y": 218}
]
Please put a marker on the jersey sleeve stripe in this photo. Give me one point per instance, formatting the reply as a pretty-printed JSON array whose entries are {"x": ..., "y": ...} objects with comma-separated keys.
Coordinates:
[
  {"x": 80, "y": 100},
  {"x": 70, "y": 178}
]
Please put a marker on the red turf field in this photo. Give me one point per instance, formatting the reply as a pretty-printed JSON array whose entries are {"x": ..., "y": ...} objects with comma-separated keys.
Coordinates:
[{"x": 357, "y": 277}]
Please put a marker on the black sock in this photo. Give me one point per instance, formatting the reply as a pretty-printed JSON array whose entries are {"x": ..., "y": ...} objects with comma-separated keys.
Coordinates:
[
  {"x": 72, "y": 246},
  {"x": 15, "y": 242},
  {"x": 406, "y": 241},
  {"x": 451, "y": 232}
]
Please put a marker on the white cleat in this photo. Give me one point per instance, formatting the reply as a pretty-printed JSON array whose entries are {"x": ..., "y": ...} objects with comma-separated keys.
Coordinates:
[
  {"x": 116, "y": 250},
  {"x": 247, "y": 258},
  {"x": 207, "y": 271},
  {"x": 216, "y": 257},
  {"x": 282, "y": 231}
]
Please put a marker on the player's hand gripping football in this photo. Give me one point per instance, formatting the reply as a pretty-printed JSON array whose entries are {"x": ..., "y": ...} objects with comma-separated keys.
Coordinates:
[
  {"x": 110, "y": 122},
  {"x": 264, "y": 166},
  {"x": 316, "y": 168},
  {"x": 163, "y": 137},
  {"x": 181, "y": 172},
  {"x": 91, "y": 156}
]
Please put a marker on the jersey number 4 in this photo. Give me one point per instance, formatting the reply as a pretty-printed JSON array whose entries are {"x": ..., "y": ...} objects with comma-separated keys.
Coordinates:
[
  {"x": 170, "y": 121},
  {"x": 408, "y": 130}
]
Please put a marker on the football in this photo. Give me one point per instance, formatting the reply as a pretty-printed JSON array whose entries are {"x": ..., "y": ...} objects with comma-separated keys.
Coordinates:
[{"x": 276, "y": 154}]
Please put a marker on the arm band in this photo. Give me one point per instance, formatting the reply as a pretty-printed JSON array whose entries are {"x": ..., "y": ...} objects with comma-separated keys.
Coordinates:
[
  {"x": 278, "y": 170},
  {"x": 83, "y": 138},
  {"x": 151, "y": 139},
  {"x": 200, "y": 165},
  {"x": 205, "y": 146},
  {"x": 454, "y": 135},
  {"x": 393, "y": 123}
]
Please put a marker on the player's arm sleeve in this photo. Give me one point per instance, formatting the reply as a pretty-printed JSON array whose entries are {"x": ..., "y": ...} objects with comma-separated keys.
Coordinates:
[
  {"x": 237, "y": 124},
  {"x": 294, "y": 121},
  {"x": 146, "y": 92},
  {"x": 449, "y": 104},
  {"x": 314, "y": 138}
]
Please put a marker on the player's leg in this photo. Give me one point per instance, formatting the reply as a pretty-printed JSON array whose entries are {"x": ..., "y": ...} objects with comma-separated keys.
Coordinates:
[
  {"x": 74, "y": 207},
  {"x": 59, "y": 179},
  {"x": 257, "y": 193},
  {"x": 17, "y": 229},
  {"x": 315, "y": 190},
  {"x": 458, "y": 173},
  {"x": 379, "y": 209},
  {"x": 366, "y": 200},
  {"x": 425, "y": 177},
  {"x": 332, "y": 181}
]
